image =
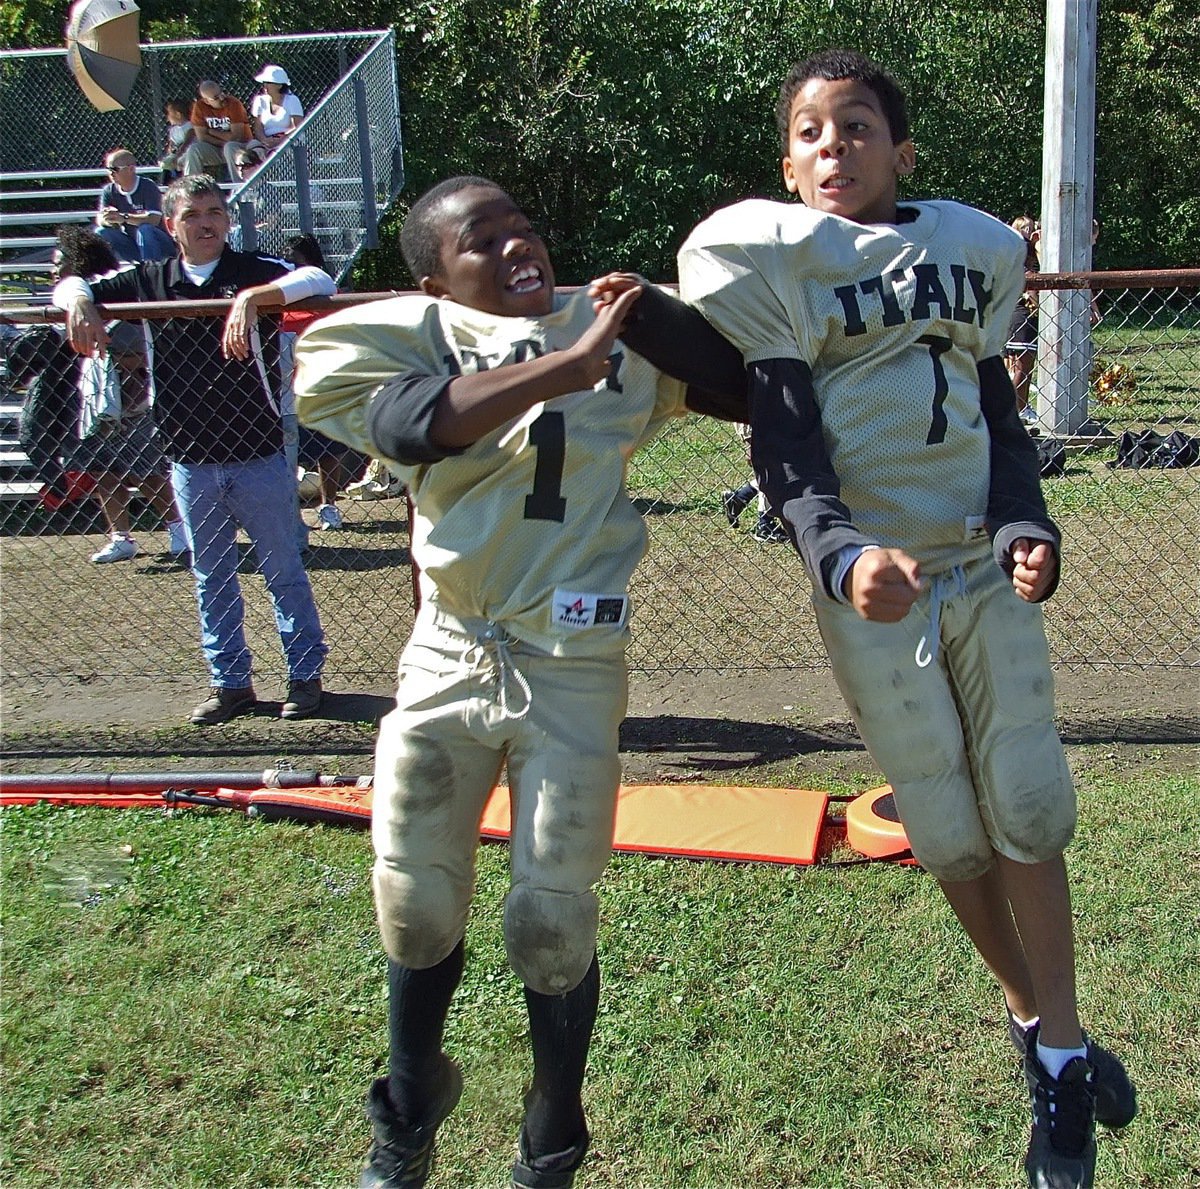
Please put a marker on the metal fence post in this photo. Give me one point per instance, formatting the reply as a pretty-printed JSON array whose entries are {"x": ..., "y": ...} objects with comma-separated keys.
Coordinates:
[
  {"x": 1065, "y": 359},
  {"x": 366, "y": 166},
  {"x": 157, "y": 102},
  {"x": 247, "y": 224},
  {"x": 303, "y": 186}
]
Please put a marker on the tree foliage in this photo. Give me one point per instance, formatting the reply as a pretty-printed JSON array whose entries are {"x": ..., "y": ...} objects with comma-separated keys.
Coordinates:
[{"x": 619, "y": 123}]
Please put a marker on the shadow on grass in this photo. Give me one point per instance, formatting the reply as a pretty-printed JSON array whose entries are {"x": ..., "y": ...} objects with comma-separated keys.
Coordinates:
[
  {"x": 347, "y": 722},
  {"x": 657, "y": 507},
  {"x": 1141, "y": 728},
  {"x": 344, "y": 727},
  {"x": 726, "y": 745},
  {"x": 320, "y": 556}
]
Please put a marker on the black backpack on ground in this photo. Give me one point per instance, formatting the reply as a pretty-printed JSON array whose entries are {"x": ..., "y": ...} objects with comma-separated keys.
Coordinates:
[{"x": 1149, "y": 449}]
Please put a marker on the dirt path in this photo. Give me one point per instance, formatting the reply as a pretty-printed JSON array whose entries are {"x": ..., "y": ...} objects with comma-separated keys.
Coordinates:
[{"x": 785, "y": 727}]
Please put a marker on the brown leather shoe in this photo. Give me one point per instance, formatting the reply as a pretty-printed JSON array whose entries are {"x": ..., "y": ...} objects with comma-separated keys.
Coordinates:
[
  {"x": 303, "y": 699},
  {"x": 224, "y": 703}
]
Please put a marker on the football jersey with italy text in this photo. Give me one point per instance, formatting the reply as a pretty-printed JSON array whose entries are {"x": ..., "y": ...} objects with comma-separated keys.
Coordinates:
[
  {"x": 893, "y": 321},
  {"x": 530, "y": 526}
]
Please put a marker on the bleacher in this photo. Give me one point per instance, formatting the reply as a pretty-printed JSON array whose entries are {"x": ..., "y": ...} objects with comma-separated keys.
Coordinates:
[
  {"x": 32, "y": 207},
  {"x": 333, "y": 178}
]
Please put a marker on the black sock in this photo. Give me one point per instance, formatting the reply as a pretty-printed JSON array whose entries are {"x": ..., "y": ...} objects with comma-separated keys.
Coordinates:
[
  {"x": 560, "y": 1030},
  {"x": 418, "y": 1003},
  {"x": 746, "y": 492}
]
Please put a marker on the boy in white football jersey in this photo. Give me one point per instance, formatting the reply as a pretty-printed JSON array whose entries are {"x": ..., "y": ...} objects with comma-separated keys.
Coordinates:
[
  {"x": 885, "y": 434},
  {"x": 510, "y": 413}
]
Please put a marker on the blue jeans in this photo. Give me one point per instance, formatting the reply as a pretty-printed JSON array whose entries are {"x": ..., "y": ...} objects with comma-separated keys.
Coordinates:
[
  {"x": 144, "y": 242},
  {"x": 214, "y": 499}
]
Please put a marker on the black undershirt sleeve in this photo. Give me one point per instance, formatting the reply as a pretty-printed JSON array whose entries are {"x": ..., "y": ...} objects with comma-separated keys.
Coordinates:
[
  {"x": 1016, "y": 506},
  {"x": 678, "y": 341},
  {"x": 793, "y": 468},
  {"x": 667, "y": 333},
  {"x": 400, "y": 415}
]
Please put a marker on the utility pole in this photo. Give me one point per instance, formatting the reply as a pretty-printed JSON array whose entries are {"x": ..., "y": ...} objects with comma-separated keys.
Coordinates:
[{"x": 1068, "y": 158}]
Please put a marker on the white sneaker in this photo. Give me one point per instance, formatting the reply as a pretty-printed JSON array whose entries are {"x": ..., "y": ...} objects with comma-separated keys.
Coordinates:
[
  {"x": 373, "y": 477},
  {"x": 177, "y": 541},
  {"x": 377, "y": 484},
  {"x": 328, "y": 517},
  {"x": 118, "y": 549},
  {"x": 366, "y": 489}
]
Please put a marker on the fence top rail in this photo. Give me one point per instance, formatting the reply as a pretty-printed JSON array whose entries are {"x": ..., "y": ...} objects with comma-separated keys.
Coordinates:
[
  {"x": 153, "y": 311},
  {"x": 1150, "y": 278},
  {"x": 1183, "y": 278},
  {"x": 266, "y": 39}
]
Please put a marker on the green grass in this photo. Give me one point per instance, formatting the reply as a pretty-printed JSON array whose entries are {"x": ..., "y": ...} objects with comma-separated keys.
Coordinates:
[
  {"x": 1162, "y": 362},
  {"x": 198, "y": 1000}
]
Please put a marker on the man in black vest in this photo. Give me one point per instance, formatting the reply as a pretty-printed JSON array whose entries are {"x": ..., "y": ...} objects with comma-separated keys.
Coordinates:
[{"x": 216, "y": 405}]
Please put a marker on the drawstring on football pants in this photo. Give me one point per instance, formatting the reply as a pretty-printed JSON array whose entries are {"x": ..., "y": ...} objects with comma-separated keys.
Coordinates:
[
  {"x": 494, "y": 641},
  {"x": 952, "y": 584}
]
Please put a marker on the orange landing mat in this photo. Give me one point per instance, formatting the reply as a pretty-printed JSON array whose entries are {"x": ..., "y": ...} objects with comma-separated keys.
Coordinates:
[
  {"x": 688, "y": 820},
  {"x": 766, "y": 825},
  {"x": 704, "y": 821}
]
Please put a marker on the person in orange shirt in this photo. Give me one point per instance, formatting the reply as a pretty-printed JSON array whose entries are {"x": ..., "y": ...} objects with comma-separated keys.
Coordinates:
[{"x": 222, "y": 130}]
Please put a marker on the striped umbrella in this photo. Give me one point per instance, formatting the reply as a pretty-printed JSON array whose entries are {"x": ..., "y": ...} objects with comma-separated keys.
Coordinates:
[{"x": 102, "y": 50}]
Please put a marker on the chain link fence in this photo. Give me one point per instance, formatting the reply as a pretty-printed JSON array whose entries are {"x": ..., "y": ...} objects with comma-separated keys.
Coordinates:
[
  {"x": 336, "y": 175},
  {"x": 39, "y": 81},
  {"x": 332, "y": 178},
  {"x": 709, "y": 595}
]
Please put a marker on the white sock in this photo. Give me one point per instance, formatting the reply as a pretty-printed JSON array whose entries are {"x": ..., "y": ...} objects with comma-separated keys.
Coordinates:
[
  {"x": 1055, "y": 1060},
  {"x": 1024, "y": 1025}
]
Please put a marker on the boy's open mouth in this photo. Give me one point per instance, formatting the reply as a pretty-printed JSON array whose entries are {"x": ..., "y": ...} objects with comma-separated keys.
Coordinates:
[{"x": 526, "y": 279}]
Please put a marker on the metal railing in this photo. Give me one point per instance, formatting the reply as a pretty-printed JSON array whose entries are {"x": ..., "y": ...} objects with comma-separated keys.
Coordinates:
[
  {"x": 708, "y": 595},
  {"x": 335, "y": 176}
]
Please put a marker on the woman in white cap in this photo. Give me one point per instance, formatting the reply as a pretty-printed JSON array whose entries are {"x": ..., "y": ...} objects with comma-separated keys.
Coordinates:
[{"x": 275, "y": 111}]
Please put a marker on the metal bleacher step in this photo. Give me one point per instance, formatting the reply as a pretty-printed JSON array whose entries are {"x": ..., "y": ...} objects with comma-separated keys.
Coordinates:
[{"x": 44, "y": 218}]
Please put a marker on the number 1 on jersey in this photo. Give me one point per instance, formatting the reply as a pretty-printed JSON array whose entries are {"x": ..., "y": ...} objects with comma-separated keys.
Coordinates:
[{"x": 548, "y": 436}]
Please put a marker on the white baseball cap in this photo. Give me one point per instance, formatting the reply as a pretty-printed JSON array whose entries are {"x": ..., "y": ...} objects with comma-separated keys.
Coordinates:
[{"x": 273, "y": 74}]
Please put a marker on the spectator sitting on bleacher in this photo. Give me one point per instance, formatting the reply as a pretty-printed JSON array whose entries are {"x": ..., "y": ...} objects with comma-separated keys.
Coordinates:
[
  {"x": 129, "y": 215},
  {"x": 262, "y": 200},
  {"x": 222, "y": 128},
  {"x": 180, "y": 134},
  {"x": 275, "y": 111}
]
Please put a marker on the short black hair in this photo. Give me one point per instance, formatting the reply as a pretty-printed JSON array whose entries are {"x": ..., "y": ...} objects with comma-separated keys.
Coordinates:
[
  {"x": 192, "y": 185},
  {"x": 833, "y": 65},
  {"x": 304, "y": 249},
  {"x": 84, "y": 253},
  {"x": 421, "y": 235}
]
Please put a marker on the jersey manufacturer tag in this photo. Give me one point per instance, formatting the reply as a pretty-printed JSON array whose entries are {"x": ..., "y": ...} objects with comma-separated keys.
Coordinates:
[
  {"x": 573, "y": 609},
  {"x": 974, "y": 528}
]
